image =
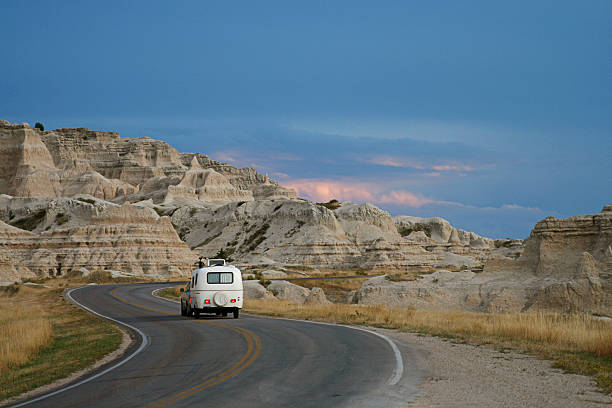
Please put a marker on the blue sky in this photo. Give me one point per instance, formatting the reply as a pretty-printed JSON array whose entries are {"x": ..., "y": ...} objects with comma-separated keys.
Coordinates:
[{"x": 493, "y": 115}]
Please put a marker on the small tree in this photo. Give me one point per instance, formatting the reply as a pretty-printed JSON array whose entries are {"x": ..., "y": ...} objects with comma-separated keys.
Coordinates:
[{"x": 40, "y": 126}]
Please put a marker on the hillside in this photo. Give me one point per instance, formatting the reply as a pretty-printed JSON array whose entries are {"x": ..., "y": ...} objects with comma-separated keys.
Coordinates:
[{"x": 78, "y": 198}]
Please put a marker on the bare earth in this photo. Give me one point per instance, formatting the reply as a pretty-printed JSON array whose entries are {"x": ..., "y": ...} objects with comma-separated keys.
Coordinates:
[{"x": 462, "y": 375}]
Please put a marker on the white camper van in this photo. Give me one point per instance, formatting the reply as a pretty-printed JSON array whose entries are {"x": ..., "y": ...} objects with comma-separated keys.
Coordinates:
[{"x": 215, "y": 288}]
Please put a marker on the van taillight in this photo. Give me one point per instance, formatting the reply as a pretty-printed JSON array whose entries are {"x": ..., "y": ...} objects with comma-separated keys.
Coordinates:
[
  {"x": 233, "y": 301},
  {"x": 207, "y": 301}
]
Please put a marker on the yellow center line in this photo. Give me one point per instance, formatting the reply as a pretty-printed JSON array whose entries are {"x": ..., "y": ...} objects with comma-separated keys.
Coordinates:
[{"x": 253, "y": 350}]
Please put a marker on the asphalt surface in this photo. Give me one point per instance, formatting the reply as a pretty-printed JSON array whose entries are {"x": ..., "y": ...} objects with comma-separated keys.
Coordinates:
[{"x": 247, "y": 362}]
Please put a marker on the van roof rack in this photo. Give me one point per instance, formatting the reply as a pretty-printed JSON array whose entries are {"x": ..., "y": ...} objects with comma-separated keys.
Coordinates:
[{"x": 215, "y": 262}]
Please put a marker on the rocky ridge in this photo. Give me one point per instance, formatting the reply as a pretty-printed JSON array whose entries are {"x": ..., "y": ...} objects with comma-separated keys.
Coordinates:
[
  {"x": 213, "y": 206},
  {"x": 297, "y": 232},
  {"x": 65, "y": 236},
  {"x": 76, "y": 200},
  {"x": 564, "y": 265}
]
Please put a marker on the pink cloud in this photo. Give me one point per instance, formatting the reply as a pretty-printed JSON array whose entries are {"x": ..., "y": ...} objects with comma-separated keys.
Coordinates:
[
  {"x": 355, "y": 191},
  {"x": 325, "y": 190}
]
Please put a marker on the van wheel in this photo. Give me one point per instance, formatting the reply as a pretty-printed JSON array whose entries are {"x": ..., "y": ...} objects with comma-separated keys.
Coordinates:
[
  {"x": 196, "y": 314},
  {"x": 183, "y": 311},
  {"x": 188, "y": 311},
  {"x": 236, "y": 313},
  {"x": 224, "y": 314}
]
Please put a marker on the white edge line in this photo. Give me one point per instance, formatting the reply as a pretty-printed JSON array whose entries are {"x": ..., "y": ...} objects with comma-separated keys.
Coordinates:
[
  {"x": 396, "y": 376},
  {"x": 145, "y": 343},
  {"x": 154, "y": 294},
  {"x": 398, "y": 371}
]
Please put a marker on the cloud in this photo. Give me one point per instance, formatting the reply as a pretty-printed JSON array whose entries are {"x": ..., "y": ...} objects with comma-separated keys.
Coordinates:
[
  {"x": 453, "y": 167},
  {"x": 405, "y": 198},
  {"x": 324, "y": 190},
  {"x": 411, "y": 163},
  {"x": 279, "y": 175},
  {"x": 520, "y": 207},
  {"x": 320, "y": 190},
  {"x": 224, "y": 156},
  {"x": 390, "y": 161}
]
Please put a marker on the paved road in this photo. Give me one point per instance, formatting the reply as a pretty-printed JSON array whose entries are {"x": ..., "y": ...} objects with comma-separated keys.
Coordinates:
[{"x": 247, "y": 362}]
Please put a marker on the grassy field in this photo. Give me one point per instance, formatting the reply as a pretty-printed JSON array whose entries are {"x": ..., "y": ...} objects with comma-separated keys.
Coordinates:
[
  {"x": 576, "y": 343},
  {"x": 22, "y": 336},
  {"x": 170, "y": 293},
  {"x": 43, "y": 338}
]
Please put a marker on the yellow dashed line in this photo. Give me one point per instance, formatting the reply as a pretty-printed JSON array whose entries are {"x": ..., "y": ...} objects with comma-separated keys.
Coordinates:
[{"x": 253, "y": 350}]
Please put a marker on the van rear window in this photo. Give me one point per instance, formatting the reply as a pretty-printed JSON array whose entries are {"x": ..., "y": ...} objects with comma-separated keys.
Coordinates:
[{"x": 220, "y": 277}]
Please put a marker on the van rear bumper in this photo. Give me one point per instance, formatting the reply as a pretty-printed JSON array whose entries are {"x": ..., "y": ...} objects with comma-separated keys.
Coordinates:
[{"x": 217, "y": 309}]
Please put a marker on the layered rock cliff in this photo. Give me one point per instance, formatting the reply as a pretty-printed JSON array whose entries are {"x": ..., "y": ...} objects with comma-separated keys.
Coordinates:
[
  {"x": 213, "y": 206},
  {"x": 65, "y": 162},
  {"x": 51, "y": 237},
  {"x": 564, "y": 265},
  {"x": 297, "y": 232}
]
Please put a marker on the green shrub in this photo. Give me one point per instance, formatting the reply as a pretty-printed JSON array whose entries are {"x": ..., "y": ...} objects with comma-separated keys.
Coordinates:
[
  {"x": 331, "y": 204},
  {"x": 31, "y": 221},
  {"x": 39, "y": 126}
]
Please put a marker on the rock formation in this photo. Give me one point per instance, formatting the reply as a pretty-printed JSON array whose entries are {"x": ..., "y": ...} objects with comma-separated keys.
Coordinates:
[
  {"x": 78, "y": 200},
  {"x": 297, "y": 232},
  {"x": 51, "y": 237},
  {"x": 565, "y": 265},
  {"x": 216, "y": 207},
  {"x": 280, "y": 289},
  {"x": 65, "y": 162}
]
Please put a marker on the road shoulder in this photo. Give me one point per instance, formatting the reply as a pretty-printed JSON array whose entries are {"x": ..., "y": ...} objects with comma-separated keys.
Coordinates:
[{"x": 466, "y": 375}]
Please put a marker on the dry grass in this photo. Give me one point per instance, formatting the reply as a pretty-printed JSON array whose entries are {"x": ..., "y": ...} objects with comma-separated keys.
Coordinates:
[
  {"x": 70, "y": 340},
  {"x": 171, "y": 293},
  {"x": 336, "y": 290},
  {"x": 578, "y": 343},
  {"x": 24, "y": 331},
  {"x": 564, "y": 332},
  {"x": 400, "y": 277}
]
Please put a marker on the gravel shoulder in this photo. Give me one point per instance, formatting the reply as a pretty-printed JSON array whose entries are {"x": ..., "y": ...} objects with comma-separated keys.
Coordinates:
[{"x": 464, "y": 375}]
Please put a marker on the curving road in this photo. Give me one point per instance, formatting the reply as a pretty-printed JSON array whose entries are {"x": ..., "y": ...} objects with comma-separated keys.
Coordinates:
[{"x": 247, "y": 362}]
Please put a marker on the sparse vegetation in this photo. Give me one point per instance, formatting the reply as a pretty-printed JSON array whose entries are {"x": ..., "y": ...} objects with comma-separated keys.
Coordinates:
[
  {"x": 208, "y": 240},
  {"x": 31, "y": 221},
  {"x": 171, "y": 293},
  {"x": 404, "y": 231},
  {"x": 87, "y": 200},
  {"x": 336, "y": 290},
  {"x": 577, "y": 343},
  {"x": 295, "y": 229},
  {"x": 22, "y": 336},
  {"x": 62, "y": 218},
  {"x": 265, "y": 282},
  {"x": 331, "y": 204},
  {"x": 402, "y": 277},
  {"x": 39, "y": 126},
  {"x": 225, "y": 253},
  {"x": 256, "y": 238},
  {"x": 62, "y": 338}
]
